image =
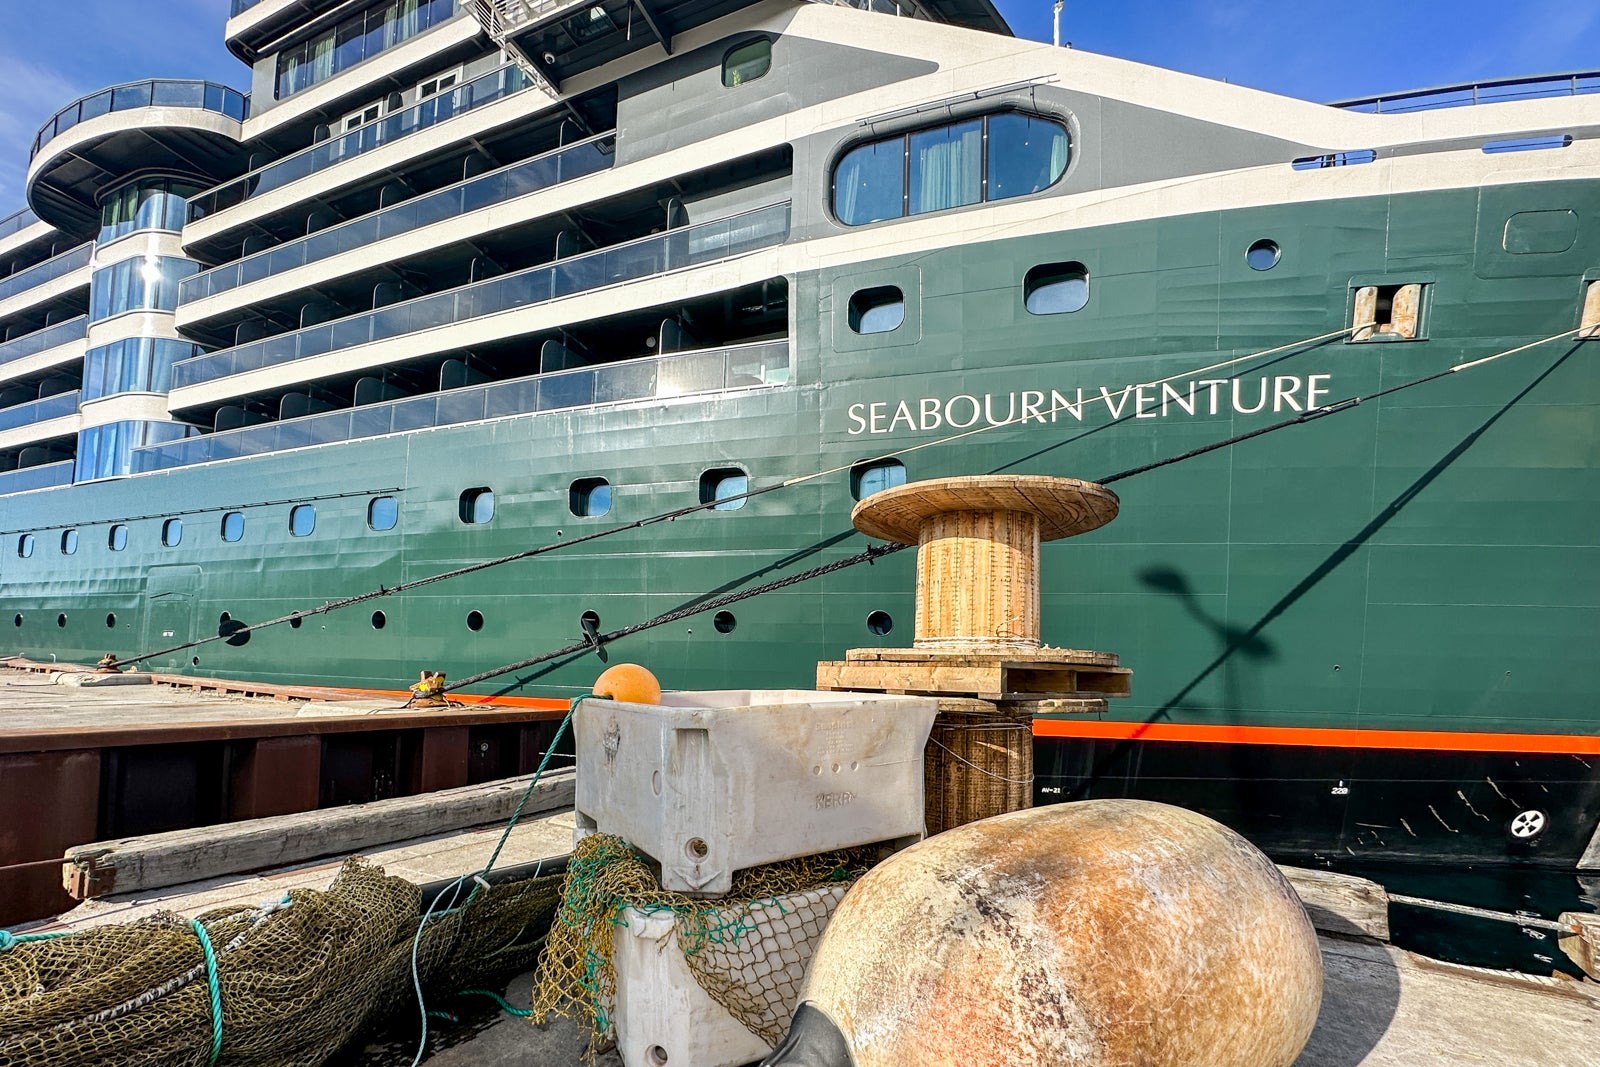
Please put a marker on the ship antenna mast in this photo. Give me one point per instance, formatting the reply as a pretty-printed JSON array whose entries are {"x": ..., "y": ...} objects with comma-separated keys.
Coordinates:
[{"x": 1059, "y": 5}]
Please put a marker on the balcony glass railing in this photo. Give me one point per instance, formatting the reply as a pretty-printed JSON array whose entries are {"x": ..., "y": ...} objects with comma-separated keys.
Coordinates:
[
  {"x": 1466, "y": 94},
  {"x": 30, "y": 344},
  {"x": 153, "y": 92},
  {"x": 50, "y": 407},
  {"x": 678, "y": 374},
  {"x": 241, "y": 6},
  {"x": 519, "y": 179},
  {"x": 496, "y": 85},
  {"x": 17, "y": 223},
  {"x": 48, "y": 271},
  {"x": 43, "y": 476},
  {"x": 690, "y": 246}
]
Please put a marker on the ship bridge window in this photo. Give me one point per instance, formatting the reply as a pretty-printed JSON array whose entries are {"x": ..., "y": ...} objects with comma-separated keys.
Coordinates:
[
  {"x": 875, "y": 477},
  {"x": 383, "y": 512},
  {"x": 302, "y": 520},
  {"x": 878, "y": 310},
  {"x": 989, "y": 158},
  {"x": 589, "y": 497},
  {"x": 232, "y": 526},
  {"x": 477, "y": 506},
  {"x": 172, "y": 533},
  {"x": 25, "y": 545},
  {"x": 1056, "y": 289},
  {"x": 746, "y": 62},
  {"x": 724, "y": 488}
]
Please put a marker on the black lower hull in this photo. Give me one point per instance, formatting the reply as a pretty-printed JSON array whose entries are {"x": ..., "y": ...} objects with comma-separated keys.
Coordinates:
[{"x": 1333, "y": 805}]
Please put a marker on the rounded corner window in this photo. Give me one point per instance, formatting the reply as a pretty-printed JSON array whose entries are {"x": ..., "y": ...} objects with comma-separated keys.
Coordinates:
[
  {"x": 69, "y": 542},
  {"x": 476, "y": 506},
  {"x": 172, "y": 533},
  {"x": 232, "y": 526},
  {"x": 875, "y": 476},
  {"x": 746, "y": 62},
  {"x": 383, "y": 513},
  {"x": 1056, "y": 289},
  {"x": 1263, "y": 255},
  {"x": 25, "y": 546},
  {"x": 61, "y": 620},
  {"x": 880, "y": 309},
  {"x": 117, "y": 538},
  {"x": 302, "y": 520},
  {"x": 589, "y": 497},
  {"x": 725, "y": 488},
  {"x": 111, "y": 620}
]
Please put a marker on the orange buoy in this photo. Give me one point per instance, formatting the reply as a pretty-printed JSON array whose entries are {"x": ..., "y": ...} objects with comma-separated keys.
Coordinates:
[{"x": 629, "y": 683}]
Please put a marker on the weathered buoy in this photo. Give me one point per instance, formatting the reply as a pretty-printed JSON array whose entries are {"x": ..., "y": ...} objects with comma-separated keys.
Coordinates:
[
  {"x": 629, "y": 683},
  {"x": 1107, "y": 932}
]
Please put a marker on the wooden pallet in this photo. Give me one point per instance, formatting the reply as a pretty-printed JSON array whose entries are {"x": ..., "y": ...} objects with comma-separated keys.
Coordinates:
[{"x": 1057, "y": 675}]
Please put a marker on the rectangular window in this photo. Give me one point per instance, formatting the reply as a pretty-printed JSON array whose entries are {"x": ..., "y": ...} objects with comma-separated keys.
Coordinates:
[
  {"x": 356, "y": 38},
  {"x": 869, "y": 183},
  {"x": 946, "y": 167}
]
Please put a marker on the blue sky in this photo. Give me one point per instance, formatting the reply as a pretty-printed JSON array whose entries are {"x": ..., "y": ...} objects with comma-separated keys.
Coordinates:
[{"x": 53, "y": 53}]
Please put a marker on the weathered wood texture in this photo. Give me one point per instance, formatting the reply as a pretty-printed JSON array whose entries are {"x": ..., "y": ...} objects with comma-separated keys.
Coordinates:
[
  {"x": 1038, "y": 676},
  {"x": 1341, "y": 903},
  {"x": 183, "y": 856},
  {"x": 1583, "y": 947}
]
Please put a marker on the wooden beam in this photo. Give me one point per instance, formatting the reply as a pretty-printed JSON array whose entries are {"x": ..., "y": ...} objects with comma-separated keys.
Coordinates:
[
  {"x": 1341, "y": 903},
  {"x": 181, "y": 856}
]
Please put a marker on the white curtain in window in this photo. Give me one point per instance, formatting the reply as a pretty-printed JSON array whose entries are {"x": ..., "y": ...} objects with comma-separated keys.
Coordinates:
[
  {"x": 947, "y": 167},
  {"x": 401, "y": 20}
]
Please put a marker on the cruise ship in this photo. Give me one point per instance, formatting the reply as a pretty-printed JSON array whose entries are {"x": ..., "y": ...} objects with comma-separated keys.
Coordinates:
[{"x": 457, "y": 280}]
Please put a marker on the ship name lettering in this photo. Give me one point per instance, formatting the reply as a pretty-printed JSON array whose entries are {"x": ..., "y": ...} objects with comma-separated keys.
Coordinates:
[{"x": 1150, "y": 400}]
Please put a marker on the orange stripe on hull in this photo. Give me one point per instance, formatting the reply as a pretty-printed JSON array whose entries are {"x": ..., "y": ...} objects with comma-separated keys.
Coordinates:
[{"x": 1314, "y": 737}]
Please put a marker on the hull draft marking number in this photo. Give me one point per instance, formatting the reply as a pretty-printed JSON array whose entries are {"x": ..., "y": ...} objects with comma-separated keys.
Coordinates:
[{"x": 1529, "y": 824}]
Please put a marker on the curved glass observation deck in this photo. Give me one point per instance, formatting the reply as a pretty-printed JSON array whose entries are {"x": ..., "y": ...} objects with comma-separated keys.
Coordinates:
[
  {"x": 519, "y": 179},
  {"x": 763, "y": 363},
  {"x": 153, "y": 92},
  {"x": 691, "y": 246}
]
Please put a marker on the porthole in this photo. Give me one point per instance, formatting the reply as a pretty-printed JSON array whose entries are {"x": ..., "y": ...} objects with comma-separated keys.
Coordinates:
[
  {"x": 880, "y": 309},
  {"x": 1056, "y": 289},
  {"x": 294, "y": 623},
  {"x": 233, "y": 631},
  {"x": 111, "y": 620},
  {"x": 25, "y": 545},
  {"x": 746, "y": 62},
  {"x": 589, "y": 497},
  {"x": 477, "y": 506},
  {"x": 474, "y": 621},
  {"x": 61, "y": 620},
  {"x": 875, "y": 477},
  {"x": 232, "y": 526},
  {"x": 1263, "y": 255},
  {"x": 69, "y": 542},
  {"x": 379, "y": 620},
  {"x": 879, "y": 623},
  {"x": 16, "y": 620},
  {"x": 172, "y": 533},
  {"x": 383, "y": 512},
  {"x": 725, "y": 488},
  {"x": 194, "y": 661},
  {"x": 302, "y": 520},
  {"x": 224, "y": 619},
  {"x": 724, "y": 622},
  {"x": 117, "y": 539},
  {"x": 589, "y": 621}
]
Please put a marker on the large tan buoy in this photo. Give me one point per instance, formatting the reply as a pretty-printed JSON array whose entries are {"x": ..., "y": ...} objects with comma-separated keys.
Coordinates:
[{"x": 1105, "y": 933}]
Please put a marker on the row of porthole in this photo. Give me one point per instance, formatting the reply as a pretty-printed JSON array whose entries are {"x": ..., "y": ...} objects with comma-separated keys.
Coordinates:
[
  {"x": 723, "y": 487},
  {"x": 1047, "y": 289}
]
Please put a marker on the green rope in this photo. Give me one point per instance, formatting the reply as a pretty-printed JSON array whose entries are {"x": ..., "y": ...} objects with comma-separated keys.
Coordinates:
[
  {"x": 216, "y": 990},
  {"x": 10, "y": 940},
  {"x": 498, "y": 999}
]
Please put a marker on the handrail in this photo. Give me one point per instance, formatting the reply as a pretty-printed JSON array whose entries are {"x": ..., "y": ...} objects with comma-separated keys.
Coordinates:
[
  {"x": 1466, "y": 94},
  {"x": 518, "y": 179},
  {"x": 364, "y": 138},
  {"x": 151, "y": 92},
  {"x": 42, "y": 340},
  {"x": 643, "y": 257},
  {"x": 46, "y": 271},
  {"x": 46, "y": 407},
  {"x": 39, "y": 476},
  {"x": 17, "y": 222},
  {"x": 673, "y": 374}
]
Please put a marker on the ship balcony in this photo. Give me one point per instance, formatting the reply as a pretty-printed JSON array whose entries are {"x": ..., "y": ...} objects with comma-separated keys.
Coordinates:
[
  {"x": 191, "y": 128},
  {"x": 39, "y": 420},
  {"x": 748, "y": 366},
  {"x": 44, "y": 350},
  {"x": 40, "y": 476},
  {"x": 41, "y": 283},
  {"x": 253, "y": 24},
  {"x": 445, "y": 205},
  {"x": 22, "y": 229},
  {"x": 435, "y": 322},
  {"x": 230, "y": 204}
]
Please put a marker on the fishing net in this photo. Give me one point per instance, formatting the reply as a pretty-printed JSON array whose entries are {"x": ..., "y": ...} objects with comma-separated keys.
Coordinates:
[
  {"x": 296, "y": 981},
  {"x": 747, "y": 950}
]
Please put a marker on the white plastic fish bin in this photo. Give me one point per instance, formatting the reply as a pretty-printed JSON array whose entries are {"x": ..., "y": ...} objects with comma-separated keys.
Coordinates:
[
  {"x": 662, "y": 1013},
  {"x": 709, "y": 783}
]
